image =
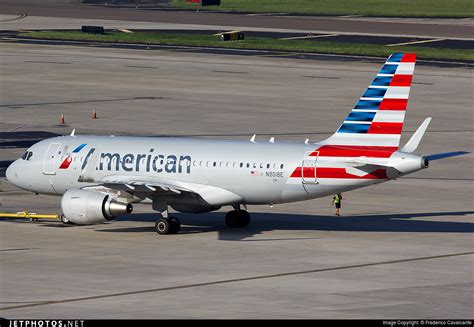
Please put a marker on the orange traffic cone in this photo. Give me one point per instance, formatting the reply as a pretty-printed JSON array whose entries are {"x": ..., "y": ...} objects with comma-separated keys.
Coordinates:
[
  {"x": 94, "y": 114},
  {"x": 62, "y": 120}
]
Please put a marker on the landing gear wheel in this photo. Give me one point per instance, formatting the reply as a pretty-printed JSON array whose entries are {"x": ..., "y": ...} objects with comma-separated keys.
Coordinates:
[
  {"x": 244, "y": 217},
  {"x": 169, "y": 225},
  {"x": 163, "y": 226},
  {"x": 231, "y": 219},
  {"x": 65, "y": 220},
  {"x": 235, "y": 219},
  {"x": 175, "y": 225}
]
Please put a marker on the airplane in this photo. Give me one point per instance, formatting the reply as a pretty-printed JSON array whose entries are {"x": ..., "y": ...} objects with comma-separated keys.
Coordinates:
[{"x": 101, "y": 177}]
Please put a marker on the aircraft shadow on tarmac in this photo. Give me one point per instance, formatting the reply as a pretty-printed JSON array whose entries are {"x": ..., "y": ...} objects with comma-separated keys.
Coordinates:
[{"x": 262, "y": 222}]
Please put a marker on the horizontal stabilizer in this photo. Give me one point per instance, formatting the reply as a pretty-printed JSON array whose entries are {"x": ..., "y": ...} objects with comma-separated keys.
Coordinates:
[
  {"x": 364, "y": 167},
  {"x": 361, "y": 170},
  {"x": 437, "y": 156},
  {"x": 414, "y": 141}
]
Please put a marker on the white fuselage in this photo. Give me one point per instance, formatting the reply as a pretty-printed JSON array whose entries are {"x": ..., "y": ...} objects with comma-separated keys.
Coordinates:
[{"x": 243, "y": 171}]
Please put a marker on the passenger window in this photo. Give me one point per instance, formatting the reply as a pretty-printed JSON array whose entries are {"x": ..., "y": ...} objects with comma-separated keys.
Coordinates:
[
  {"x": 261, "y": 165},
  {"x": 268, "y": 166},
  {"x": 281, "y": 166},
  {"x": 220, "y": 164},
  {"x": 254, "y": 165},
  {"x": 207, "y": 163},
  {"x": 214, "y": 164},
  {"x": 274, "y": 166},
  {"x": 248, "y": 165},
  {"x": 241, "y": 165}
]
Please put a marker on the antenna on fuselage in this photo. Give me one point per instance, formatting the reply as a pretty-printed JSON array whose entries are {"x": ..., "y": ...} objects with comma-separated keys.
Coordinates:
[{"x": 253, "y": 138}]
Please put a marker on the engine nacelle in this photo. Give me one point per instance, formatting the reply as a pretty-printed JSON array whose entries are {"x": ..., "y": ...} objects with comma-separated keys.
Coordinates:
[
  {"x": 88, "y": 207},
  {"x": 193, "y": 208}
]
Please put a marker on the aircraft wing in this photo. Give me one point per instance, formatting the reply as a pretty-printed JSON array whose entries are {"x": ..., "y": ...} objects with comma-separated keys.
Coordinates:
[{"x": 140, "y": 184}]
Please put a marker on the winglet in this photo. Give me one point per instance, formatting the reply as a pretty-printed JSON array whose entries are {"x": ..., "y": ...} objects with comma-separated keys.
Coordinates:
[
  {"x": 253, "y": 138},
  {"x": 73, "y": 132},
  {"x": 412, "y": 144}
]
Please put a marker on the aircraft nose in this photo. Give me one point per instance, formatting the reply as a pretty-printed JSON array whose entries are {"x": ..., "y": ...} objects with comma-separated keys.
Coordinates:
[{"x": 10, "y": 173}]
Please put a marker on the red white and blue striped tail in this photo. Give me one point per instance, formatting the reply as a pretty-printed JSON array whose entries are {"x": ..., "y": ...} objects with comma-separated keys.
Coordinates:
[{"x": 377, "y": 118}]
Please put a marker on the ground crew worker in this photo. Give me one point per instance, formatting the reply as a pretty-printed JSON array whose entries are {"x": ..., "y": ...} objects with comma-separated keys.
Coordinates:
[{"x": 336, "y": 200}]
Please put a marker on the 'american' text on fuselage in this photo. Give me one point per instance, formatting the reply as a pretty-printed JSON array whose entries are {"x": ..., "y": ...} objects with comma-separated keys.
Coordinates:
[{"x": 145, "y": 162}]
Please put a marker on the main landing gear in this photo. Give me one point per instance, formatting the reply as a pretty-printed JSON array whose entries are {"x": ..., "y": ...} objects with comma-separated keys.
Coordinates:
[
  {"x": 165, "y": 224},
  {"x": 237, "y": 217},
  {"x": 170, "y": 225}
]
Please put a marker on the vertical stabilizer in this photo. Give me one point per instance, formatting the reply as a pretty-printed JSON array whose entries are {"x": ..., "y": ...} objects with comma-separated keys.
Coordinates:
[{"x": 377, "y": 118}]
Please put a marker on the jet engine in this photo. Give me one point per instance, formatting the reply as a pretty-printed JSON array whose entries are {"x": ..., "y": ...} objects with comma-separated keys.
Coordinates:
[{"x": 88, "y": 207}]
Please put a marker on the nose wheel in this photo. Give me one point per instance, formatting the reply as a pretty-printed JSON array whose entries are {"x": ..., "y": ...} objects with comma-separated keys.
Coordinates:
[
  {"x": 65, "y": 221},
  {"x": 240, "y": 218},
  {"x": 169, "y": 225}
]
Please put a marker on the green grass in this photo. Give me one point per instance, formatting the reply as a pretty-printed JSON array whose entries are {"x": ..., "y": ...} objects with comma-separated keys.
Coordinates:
[
  {"x": 393, "y": 8},
  {"x": 260, "y": 43}
]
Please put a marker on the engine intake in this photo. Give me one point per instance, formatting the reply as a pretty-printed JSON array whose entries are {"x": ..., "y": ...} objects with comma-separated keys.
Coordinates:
[{"x": 88, "y": 207}]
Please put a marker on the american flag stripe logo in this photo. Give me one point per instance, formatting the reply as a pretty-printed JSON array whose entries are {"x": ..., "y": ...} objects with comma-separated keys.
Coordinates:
[{"x": 68, "y": 160}]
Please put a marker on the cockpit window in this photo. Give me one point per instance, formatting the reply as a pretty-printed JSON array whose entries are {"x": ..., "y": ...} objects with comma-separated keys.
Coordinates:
[{"x": 27, "y": 155}]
